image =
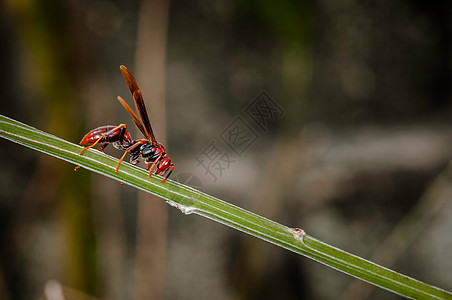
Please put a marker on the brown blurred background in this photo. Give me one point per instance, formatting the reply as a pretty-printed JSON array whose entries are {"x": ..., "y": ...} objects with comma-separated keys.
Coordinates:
[{"x": 359, "y": 158}]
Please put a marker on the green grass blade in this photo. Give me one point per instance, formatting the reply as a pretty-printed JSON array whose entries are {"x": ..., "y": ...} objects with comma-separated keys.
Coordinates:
[{"x": 189, "y": 201}]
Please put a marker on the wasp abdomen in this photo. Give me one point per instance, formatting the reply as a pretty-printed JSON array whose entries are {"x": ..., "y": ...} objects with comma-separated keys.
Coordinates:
[{"x": 109, "y": 134}]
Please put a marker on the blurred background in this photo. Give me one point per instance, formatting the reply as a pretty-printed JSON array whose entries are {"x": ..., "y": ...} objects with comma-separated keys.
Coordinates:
[{"x": 358, "y": 157}]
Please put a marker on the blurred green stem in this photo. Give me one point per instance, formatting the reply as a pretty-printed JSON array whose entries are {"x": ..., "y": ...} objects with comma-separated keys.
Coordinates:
[
  {"x": 190, "y": 201},
  {"x": 46, "y": 51}
]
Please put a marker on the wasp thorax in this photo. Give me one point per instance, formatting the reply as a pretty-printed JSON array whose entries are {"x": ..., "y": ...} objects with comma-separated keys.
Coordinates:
[{"x": 147, "y": 150}]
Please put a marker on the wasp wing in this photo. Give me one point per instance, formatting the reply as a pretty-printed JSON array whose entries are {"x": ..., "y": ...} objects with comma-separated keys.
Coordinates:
[
  {"x": 146, "y": 127},
  {"x": 135, "y": 119}
]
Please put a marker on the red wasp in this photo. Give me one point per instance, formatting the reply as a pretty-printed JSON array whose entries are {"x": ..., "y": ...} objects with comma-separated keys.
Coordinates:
[{"x": 153, "y": 153}]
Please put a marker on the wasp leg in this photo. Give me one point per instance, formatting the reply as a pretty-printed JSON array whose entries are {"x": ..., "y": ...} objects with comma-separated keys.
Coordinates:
[
  {"x": 134, "y": 158},
  {"x": 128, "y": 150},
  {"x": 90, "y": 146},
  {"x": 101, "y": 148},
  {"x": 122, "y": 132},
  {"x": 121, "y": 127},
  {"x": 153, "y": 164},
  {"x": 169, "y": 173},
  {"x": 122, "y": 158}
]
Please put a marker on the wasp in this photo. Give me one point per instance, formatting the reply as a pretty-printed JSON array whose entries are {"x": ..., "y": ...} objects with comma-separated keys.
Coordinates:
[{"x": 149, "y": 149}]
